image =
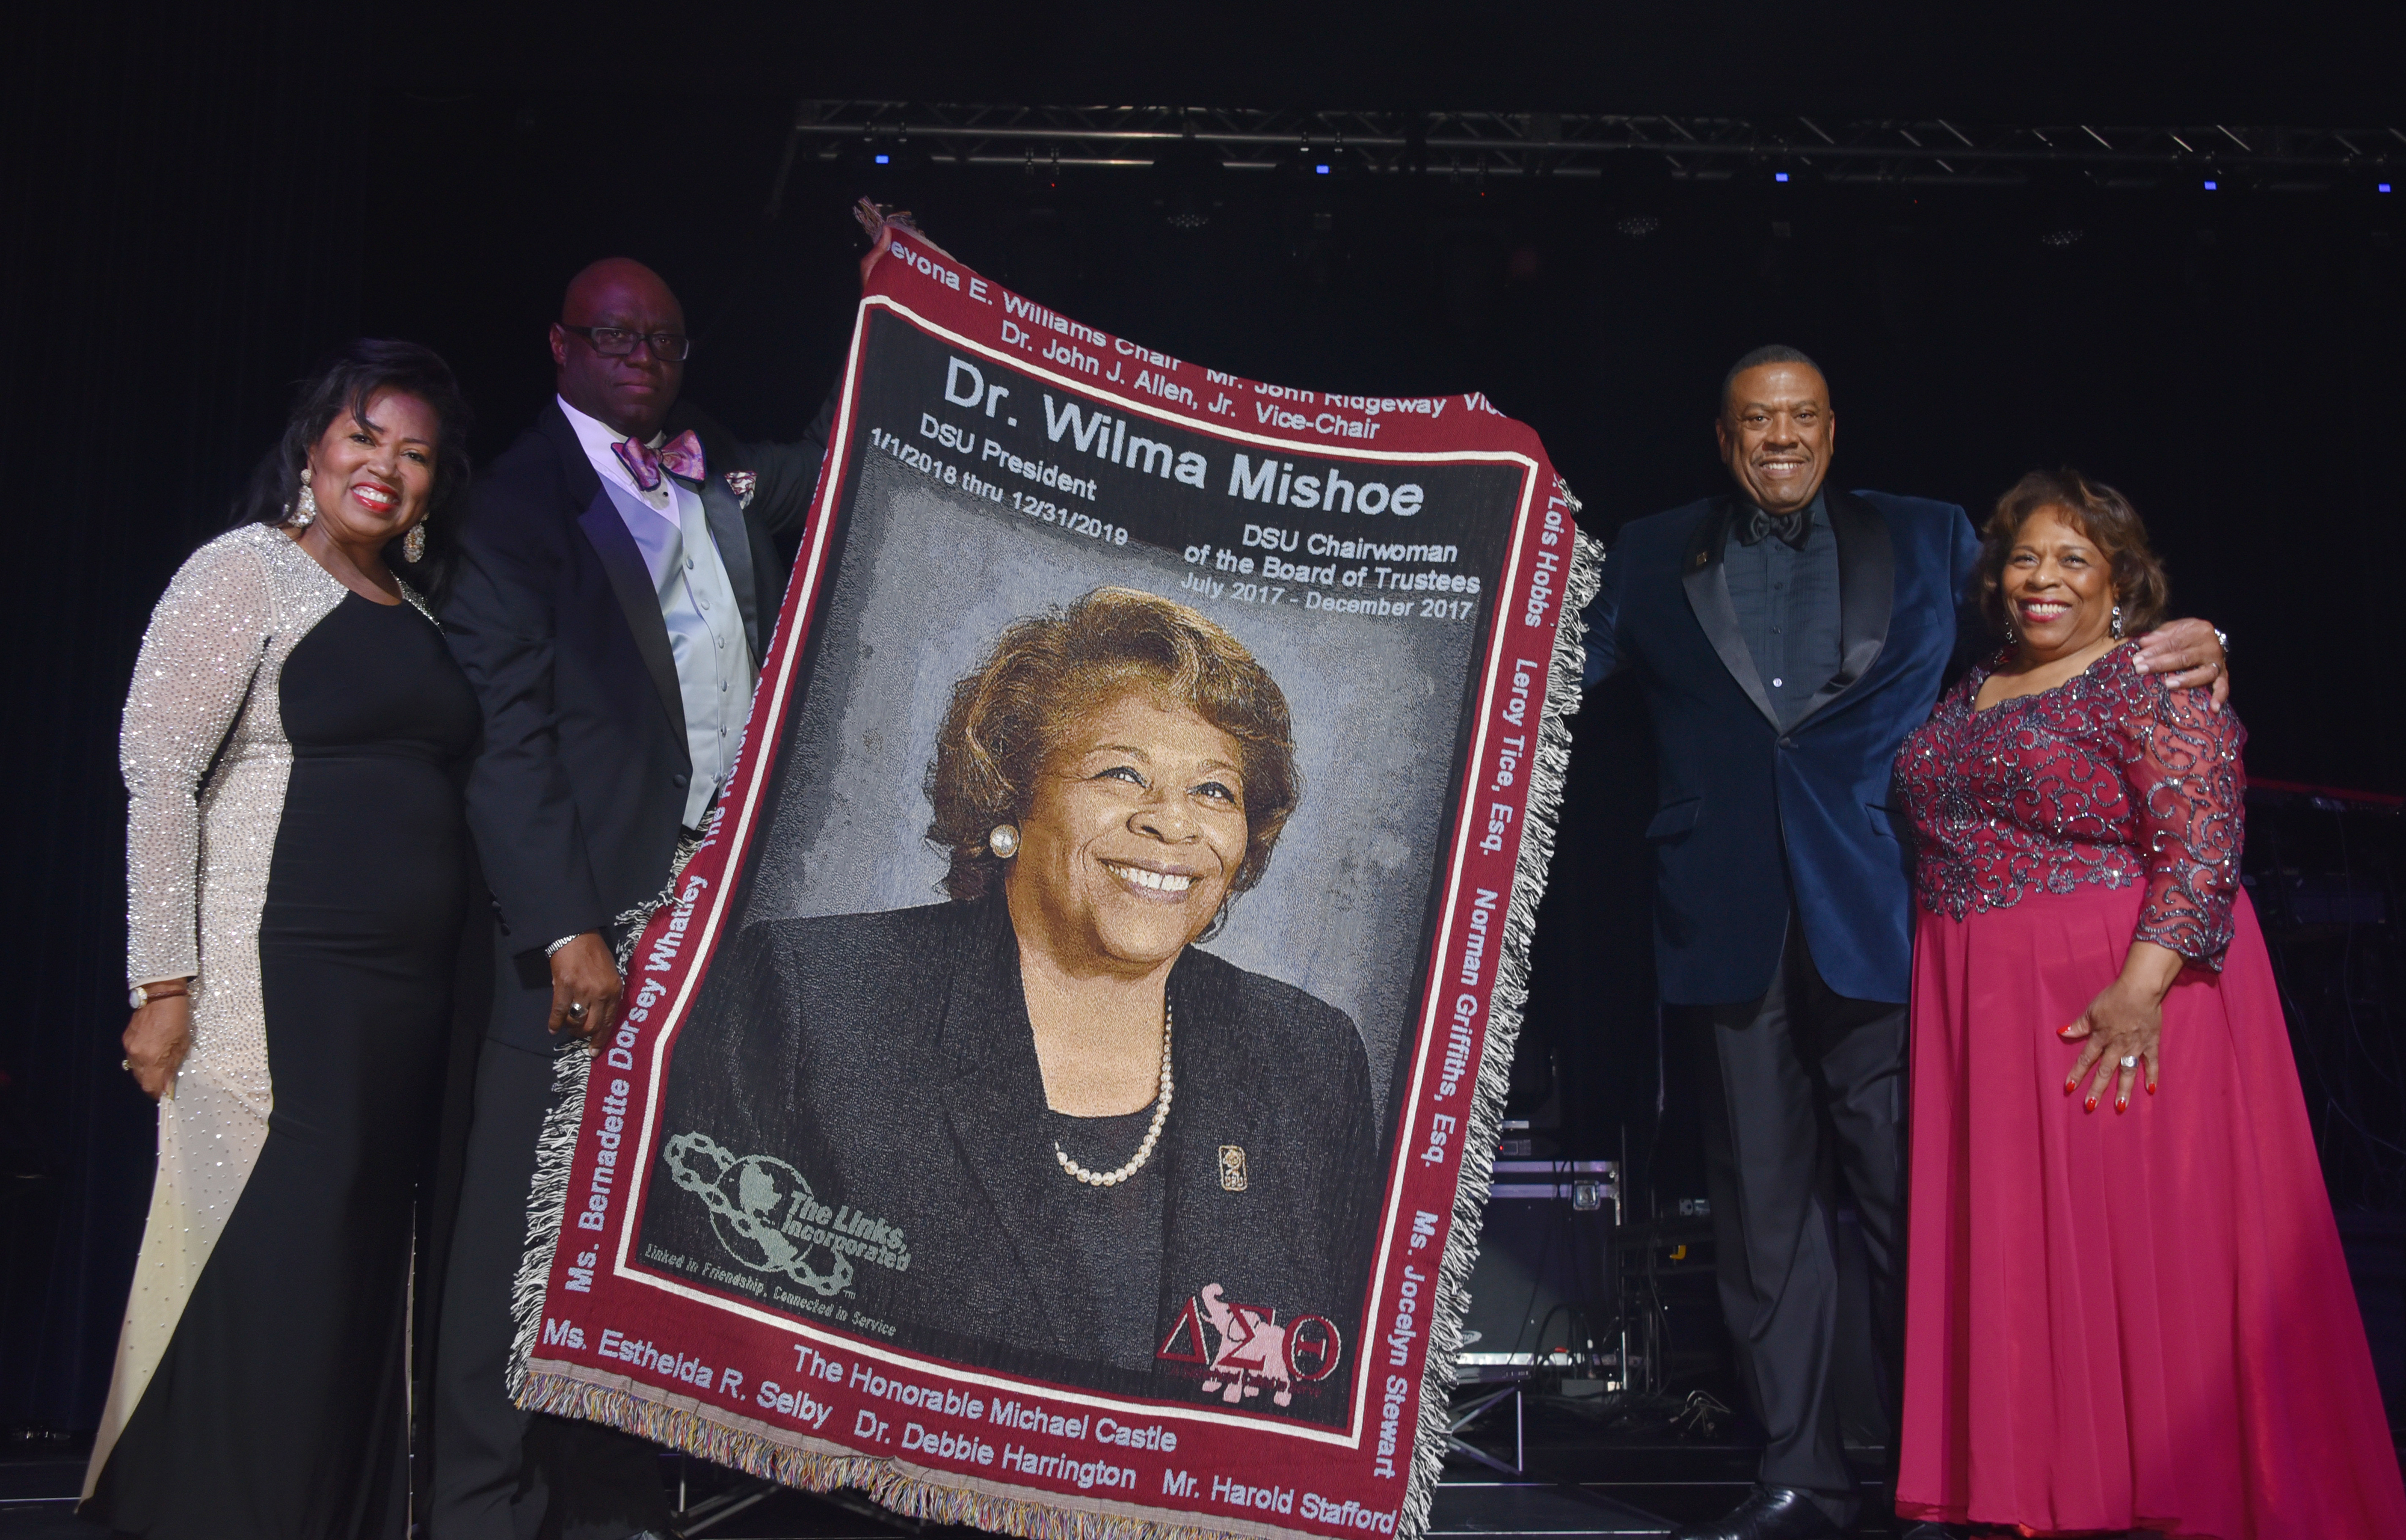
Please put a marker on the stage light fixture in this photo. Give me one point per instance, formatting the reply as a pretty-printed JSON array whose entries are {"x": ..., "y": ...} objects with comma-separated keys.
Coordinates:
[
  {"x": 1324, "y": 164},
  {"x": 886, "y": 158},
  {"x": 1635, "y": 187},
  {"x": 1784, "y": 196},
  {"x": 1188, "y": 184},
  {"x": 2372, "y": 198},
  {"x": 2064, "y": 205}
]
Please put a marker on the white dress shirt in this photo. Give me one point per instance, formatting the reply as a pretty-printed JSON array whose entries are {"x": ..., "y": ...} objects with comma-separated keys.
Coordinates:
[{"x": 714, "y": 662}]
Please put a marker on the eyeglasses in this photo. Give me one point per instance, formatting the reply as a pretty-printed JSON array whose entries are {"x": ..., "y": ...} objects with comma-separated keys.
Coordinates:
[{"x": 617, "y": 342}]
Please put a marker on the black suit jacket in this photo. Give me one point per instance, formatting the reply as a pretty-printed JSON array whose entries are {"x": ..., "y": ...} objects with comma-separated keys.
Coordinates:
[
  {"x": 579, "y": 793},
  {"x": 887, "y": 1059}
]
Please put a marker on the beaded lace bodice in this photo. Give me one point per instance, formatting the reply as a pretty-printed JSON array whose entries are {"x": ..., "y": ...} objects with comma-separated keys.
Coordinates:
[{"x": 2108, "y": 777}]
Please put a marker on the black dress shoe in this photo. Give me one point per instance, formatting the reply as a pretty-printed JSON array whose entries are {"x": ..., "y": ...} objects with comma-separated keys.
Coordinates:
[{"x": 1772, "y": 1513}]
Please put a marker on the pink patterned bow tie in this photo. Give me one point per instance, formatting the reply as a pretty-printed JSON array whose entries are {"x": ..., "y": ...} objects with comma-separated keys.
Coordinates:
[{"x": 680, "y": 456}]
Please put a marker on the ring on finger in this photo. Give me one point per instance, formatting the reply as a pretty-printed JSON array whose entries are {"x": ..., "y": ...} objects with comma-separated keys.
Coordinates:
[
  {"x": 2129, "y": 1061},
  {"x": 576, "y": 1011}
]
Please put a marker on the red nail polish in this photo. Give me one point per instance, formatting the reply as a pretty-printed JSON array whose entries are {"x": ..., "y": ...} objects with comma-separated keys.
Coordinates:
[
  {"x": 2070, "y": 1086},
  {"x": 2092, "y": 1104},
  {"x": 2121, "y": 1104}
]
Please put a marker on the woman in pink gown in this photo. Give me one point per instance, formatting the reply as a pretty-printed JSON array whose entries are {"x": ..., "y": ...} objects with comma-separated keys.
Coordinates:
[{"x": 2127, "y": 1308}]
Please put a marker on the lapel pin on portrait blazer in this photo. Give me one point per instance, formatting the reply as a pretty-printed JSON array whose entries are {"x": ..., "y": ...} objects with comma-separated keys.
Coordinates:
[
  {"x": 1232, "y": 1167},
  {"x": 742, "y": 483}
]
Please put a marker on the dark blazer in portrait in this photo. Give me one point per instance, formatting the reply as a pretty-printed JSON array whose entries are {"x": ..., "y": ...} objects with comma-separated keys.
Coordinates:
[
  {"x": 1749, "y": 813},
  {"x": 887, "y": 1059},
  {"x": 579, "y": 795}
]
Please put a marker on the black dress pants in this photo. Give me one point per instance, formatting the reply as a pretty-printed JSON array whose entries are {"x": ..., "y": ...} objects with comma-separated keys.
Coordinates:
[
  {"x": 1801, "y": 1090},
  {"x": 500, "y": 1473}
]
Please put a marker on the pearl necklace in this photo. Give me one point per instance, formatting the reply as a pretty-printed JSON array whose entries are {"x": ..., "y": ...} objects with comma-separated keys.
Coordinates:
[{"x": 1152, "y": 1135}]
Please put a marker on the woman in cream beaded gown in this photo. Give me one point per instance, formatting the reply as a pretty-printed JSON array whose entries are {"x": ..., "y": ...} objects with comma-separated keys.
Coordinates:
[{"x": 297, "y": 865}]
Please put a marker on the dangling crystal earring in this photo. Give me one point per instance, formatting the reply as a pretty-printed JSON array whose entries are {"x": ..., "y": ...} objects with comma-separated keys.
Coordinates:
[
  {"x": 306, "y": 513},
  {"x": 413, "y": 544},
  {"x": 1003, "y": 840},
  {"x": 2009, "y": 634},
  {"x": 2117, "y": 623}
]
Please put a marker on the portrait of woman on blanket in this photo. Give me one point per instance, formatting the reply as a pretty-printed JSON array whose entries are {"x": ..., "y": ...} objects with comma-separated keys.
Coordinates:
[{"x": 1039, "y": 1129}]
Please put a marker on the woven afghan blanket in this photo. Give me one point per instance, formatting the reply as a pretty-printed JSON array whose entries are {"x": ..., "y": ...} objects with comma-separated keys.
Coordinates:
[{"x": 1105, "y": 686}]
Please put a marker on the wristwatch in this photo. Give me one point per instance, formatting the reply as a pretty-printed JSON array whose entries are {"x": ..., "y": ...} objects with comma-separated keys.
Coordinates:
[{"x": 163, "y": 989}]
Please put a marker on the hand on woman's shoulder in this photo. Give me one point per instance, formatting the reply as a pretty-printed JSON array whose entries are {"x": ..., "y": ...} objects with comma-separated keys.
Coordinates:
[{"x": 2149, "y": 705}]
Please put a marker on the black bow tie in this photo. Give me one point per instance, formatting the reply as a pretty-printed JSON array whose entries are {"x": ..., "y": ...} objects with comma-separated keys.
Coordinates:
[{"x": 1788, "y": 526}]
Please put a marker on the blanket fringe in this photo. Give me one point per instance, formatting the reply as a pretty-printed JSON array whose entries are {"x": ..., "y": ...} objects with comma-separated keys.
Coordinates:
[
  {"x": 1548, "y": 771},
  {"x": 555, "y": 1151}
]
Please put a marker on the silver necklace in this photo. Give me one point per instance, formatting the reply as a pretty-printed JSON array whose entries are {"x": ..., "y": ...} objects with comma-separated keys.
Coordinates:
[{"x": 1152, "y": 1135}]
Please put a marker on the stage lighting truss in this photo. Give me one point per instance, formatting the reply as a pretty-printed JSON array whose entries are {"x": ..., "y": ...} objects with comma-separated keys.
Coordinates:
[{"x": 1482, "y": 144}]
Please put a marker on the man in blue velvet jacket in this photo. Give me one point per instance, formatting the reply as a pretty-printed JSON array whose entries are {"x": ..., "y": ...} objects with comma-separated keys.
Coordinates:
[{"x": 1786, "y": 637}]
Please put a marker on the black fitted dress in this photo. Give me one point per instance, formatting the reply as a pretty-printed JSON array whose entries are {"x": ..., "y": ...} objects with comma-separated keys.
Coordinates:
[{"x": 262, "y": 1387}]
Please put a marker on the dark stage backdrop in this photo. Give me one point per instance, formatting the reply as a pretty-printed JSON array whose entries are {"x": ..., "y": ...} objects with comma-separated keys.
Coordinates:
[{"x": 184, "y": 241}]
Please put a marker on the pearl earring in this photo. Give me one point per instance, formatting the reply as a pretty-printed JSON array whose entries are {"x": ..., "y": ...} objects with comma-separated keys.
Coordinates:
[
  {"x": 308, "y": 512},
  {"x": 1003, "y": 840}
]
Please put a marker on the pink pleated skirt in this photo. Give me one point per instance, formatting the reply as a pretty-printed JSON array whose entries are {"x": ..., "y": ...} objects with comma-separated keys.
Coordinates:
[{"x": 2124, "y": 1321}]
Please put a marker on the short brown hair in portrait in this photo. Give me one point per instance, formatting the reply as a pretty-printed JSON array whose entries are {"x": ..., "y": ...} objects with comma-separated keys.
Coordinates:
[
  {"x": 2097, "y": 511},
  {"x": 1048, "y": 670}
]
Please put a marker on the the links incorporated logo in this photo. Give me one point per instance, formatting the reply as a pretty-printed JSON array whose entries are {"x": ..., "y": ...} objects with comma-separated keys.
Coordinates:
[{"x": 764, "y": 1212}]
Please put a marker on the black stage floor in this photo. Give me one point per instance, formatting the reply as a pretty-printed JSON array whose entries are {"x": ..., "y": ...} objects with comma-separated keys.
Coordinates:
[
  {"x": 1474, "y": 1507},
  {"x": 1575, "y": 1479}
]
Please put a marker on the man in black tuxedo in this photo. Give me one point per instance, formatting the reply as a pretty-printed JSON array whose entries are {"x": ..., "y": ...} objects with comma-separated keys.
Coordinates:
[
  {"x": 617, "y": 584},
  {"x": 1787, "y": 637}
]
